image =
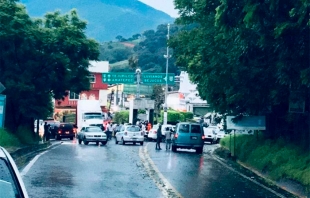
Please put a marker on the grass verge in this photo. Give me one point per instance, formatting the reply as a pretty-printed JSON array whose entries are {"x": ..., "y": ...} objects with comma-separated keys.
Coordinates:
[
  {"x": 275, "y": 158},
  {"x": 8, "y": 139}
]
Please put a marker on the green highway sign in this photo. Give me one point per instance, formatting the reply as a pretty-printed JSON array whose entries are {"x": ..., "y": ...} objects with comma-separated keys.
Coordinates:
[
  {"x": 115, "y": 77},
  {"x": 157, "y": 78},
  {"x": 130, "y": 78}
]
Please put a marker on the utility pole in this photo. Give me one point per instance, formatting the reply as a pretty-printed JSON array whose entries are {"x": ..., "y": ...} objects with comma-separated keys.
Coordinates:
[
  {"x": 138, "y": 73},
  {"x": 167, "y": 56}
]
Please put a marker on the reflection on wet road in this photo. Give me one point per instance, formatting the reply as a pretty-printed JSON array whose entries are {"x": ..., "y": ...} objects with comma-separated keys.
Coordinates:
[
  {"x": 195, "y": 175},
  {"x": 73, "y": 170}
]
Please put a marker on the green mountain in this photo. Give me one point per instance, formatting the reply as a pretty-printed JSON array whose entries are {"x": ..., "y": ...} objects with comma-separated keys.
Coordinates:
[{"x": 106, "y": 18}]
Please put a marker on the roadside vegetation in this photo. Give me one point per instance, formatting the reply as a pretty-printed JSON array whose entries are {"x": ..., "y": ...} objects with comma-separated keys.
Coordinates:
[
  {"x": 22, "y": 137},
  {"x": 39, "y": 58},
  {"x": 277, "y": 159}
]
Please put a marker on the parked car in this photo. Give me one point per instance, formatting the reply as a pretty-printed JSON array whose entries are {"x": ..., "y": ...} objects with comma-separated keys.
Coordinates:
[
  {"x": 11, "y": 183},
  {"x": 164, "y": 128},
  {"x": 92, "y": 134},
  {"x": 210, "y": 133},
  {"x": 188, "y": 135},
  {"x": 220, "y": 135},
  {"x": 129, "y": 133},
  {"x": 63, "y": 130}
]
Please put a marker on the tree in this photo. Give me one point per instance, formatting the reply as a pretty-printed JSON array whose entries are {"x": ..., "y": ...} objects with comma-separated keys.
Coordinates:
[
  {"x": 151, "y": 50},
  {"x": 41, "y": 59},
  {"x": 159, "y": 97},
  {"x": 248, "y": 57},
  {"x": 119, "y": 37}
]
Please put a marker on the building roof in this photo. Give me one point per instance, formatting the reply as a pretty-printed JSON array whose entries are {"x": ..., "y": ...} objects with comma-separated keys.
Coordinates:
[{"x": 98, "y": 66}]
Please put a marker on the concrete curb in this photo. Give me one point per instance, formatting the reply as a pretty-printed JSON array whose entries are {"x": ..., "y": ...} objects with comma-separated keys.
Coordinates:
[
  {"x": 223, "y": 161},
  {"x": 28, "y": 150}
]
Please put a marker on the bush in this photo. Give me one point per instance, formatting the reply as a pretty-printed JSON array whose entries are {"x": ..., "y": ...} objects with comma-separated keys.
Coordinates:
[
  {"x": 8, "y": 139},
  {"x": 277, "y": 158},
  {"x": 27, "y": 136},
  {"x": 121, "y": 116}
]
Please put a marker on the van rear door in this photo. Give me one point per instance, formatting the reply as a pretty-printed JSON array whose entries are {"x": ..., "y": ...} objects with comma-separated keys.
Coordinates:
[{"x": 195, "y": 135}]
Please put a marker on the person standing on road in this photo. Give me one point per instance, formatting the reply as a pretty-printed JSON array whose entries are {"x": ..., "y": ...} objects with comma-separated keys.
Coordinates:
[
  {"x": 168, "y": 139},
  {"x": 158, "y": 140},
  {"x": 46, "y": 131},
  {"x": 108, "y": 130}
]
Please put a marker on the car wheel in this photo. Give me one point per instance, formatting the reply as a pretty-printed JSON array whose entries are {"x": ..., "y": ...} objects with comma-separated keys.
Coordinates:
[
  {"x": 103, "y": 143},
  {"x": 174, "y": 148},
  {"x": 57, "y": 137},
  {"x": 97, "y": 143},
  {"x": 199, "y": 150},
  {"x": 116, "y": 142},
  {"x": 134, "y": 143},
  {"x": 85, "y": 142},
  {"x": 123, "y": 142},
  {"x": 80, "y": 141},
  {"x": 71, "y": 138},
  {"x": 141, "y": 143}
]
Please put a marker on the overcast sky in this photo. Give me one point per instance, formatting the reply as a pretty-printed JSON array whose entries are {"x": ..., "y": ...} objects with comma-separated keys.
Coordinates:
[{"x": 166, "y": 6}]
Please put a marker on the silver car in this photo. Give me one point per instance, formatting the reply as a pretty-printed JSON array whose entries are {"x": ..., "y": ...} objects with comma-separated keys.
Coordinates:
[
  {"x": 11, "y": 183},
  {"x": 129, "y": 133},
  {"x": 92, "y": 134}
]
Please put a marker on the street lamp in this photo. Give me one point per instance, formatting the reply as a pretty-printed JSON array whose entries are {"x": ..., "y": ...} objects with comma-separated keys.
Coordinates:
[{"x": 167, "y": 56}]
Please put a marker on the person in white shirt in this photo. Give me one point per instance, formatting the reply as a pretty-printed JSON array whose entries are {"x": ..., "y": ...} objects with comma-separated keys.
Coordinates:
[
  {"x": 109, "y": 130},
  {"x": 143, "y": 129},
  {"x": 168, "y": 135}
]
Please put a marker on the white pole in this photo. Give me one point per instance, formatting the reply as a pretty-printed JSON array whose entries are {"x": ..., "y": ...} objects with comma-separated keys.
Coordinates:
[{"x": 166, "y": 89}]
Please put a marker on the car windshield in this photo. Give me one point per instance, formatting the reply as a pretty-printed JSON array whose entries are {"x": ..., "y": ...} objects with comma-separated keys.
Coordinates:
[
  {"x": 93, "y": 129},
  {"x": 7, "y": 185},
  {"x": 133, "y": 129}
]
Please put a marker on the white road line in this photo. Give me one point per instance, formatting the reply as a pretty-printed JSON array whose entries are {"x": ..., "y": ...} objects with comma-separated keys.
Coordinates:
[
  {"x": 161, "y": 182},
  {"x": 246, "y": 177},
  {"x": 33, "y": 161}
]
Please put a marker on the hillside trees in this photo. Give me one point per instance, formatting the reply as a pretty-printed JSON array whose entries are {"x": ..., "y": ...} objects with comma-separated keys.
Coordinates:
[
  {"x": 151, "y": 50},
  {"x": 249, "y": 57},
  {"x": 41, "y": 59}
]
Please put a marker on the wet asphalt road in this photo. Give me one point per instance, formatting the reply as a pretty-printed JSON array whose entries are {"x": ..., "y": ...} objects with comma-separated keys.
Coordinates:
[
  {"x": 73, "y": 170},
  {"x": 198, "y": 176}
]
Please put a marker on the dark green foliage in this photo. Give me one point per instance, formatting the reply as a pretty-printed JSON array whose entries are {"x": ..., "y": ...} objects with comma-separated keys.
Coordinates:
[
  {"x": 279, "y": 159},
  {"x": 151, "y": 50},
  {"x": 114, "y": 52},
  {"x": 41, "y": 59},
  {"x": 122, "y": 116},
  {"x": 249, "y": 57}
]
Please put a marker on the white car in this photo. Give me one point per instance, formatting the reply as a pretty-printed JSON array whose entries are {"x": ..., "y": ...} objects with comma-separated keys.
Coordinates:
[
  {"x": 92, "y": 134},
  {"x": 210, "y": 133},
  {"x": 129, "y": 133},
  {"x": 164, "y": 128},
  {"x": 220, "y": 135},
  {"x": 11, "y": 183}
]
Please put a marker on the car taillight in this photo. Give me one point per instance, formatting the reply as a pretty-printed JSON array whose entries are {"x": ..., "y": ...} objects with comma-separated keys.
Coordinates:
[
  {"x": 203, "y": 137},
  {"x": 125, "y": 133},
  {"x": 59, "y": 131},
  {"x": 176, "y": 136}
]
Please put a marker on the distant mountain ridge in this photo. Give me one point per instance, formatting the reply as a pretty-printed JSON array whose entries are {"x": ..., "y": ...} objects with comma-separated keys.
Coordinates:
[{"x": 106, "y": 18}]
